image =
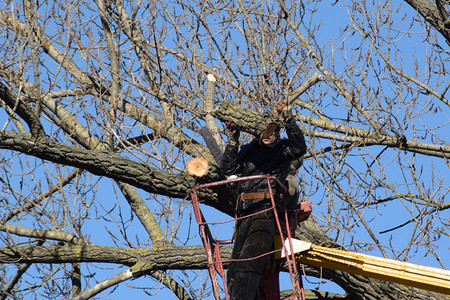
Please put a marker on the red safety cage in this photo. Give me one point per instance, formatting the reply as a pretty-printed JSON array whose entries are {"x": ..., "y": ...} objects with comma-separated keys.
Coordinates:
[{"x": 212, "y": 245}]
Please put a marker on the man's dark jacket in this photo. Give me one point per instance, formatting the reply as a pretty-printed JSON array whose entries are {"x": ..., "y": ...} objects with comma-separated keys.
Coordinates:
[{"x": 256, "y": 158}]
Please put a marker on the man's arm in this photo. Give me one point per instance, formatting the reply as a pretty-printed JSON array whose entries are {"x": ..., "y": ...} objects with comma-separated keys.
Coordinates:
[
  {"x": 230, "y": 163},
  {"x": 297, "y": 144}
]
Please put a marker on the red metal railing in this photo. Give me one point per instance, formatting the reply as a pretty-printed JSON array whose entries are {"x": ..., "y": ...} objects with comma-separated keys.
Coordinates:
[{"x": 212, "y": 246}]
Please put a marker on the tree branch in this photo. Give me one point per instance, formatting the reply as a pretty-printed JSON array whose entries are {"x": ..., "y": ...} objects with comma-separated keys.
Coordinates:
[
  {"x": 430, "y": 12},
  {"x": 25, "y": 111},
  {"x": 101, "y": 286},
  {"x": 155, "y": 258},
  {"x": 31, "y": 203},
  {"x": 42, "y": 234},
  {"x": 254, "y": 123},
  {"x": 105, "y": 163}
]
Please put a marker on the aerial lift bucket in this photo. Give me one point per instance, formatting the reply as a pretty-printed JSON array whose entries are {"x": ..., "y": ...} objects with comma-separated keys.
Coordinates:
[{"x": 284, "y": 226}]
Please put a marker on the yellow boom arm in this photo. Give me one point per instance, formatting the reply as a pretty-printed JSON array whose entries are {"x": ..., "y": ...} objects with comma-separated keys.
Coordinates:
[{"x": 428, "y": 278}]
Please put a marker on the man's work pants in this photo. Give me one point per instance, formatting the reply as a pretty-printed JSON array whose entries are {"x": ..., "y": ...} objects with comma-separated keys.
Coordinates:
[{"x": 254, "y": 238}]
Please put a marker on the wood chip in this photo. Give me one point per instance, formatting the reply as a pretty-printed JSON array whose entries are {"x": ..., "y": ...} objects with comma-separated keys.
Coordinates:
[{"x": 197, "y": 167}]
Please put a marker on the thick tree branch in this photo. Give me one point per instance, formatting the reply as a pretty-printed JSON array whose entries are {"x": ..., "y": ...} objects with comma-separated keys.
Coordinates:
[
  {"x": 208, "y": 106},
  {"x": 167, "y": 257},
  {"x": 103, "y": 163},
  {"x": 26, "y": 112},
  {"x": 430, "y": 12},
  {"x": 153, "y": 259},
  {"x": 254, "y": 123}
]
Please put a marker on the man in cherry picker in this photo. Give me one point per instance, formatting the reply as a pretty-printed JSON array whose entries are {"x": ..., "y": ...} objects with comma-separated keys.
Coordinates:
[{"x": 254, "y": 236}]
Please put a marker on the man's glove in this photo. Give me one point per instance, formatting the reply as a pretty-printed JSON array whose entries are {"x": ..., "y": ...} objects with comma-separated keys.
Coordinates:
[
  {"x": 284, "y": 110},
  {"x": 232, "y": 133}
]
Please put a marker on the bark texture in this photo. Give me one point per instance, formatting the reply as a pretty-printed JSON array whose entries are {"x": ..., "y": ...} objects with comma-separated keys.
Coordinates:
[{"x": 435, "y": 13}]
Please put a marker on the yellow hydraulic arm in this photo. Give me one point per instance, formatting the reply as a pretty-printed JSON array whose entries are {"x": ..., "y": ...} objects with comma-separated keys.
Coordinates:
[{"x": 428, "y": 278}]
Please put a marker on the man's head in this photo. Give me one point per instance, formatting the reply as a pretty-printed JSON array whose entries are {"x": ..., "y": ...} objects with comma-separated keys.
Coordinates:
[{"x": 270, "y": 134}]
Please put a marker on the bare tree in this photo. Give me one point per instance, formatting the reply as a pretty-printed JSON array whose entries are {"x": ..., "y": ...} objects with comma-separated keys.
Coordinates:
[{"x": 102, "y": 105}]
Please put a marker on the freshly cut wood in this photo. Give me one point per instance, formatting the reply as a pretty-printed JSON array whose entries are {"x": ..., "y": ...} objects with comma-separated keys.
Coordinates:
[{"x": 198, "y": 167}]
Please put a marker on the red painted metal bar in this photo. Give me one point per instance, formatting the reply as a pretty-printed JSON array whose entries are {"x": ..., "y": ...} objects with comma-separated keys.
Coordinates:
[
  {"x": 211, "y": 247},
  {"x": 290, "y": 259}
]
